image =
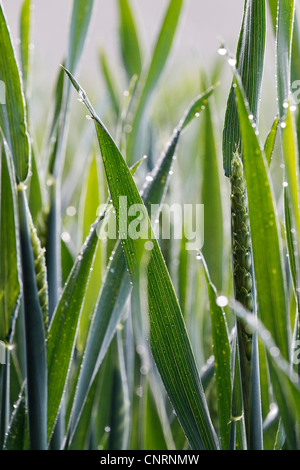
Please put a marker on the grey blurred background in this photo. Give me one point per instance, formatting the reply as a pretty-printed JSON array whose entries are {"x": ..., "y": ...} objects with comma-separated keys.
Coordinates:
[{"x": 203, "y": 25}]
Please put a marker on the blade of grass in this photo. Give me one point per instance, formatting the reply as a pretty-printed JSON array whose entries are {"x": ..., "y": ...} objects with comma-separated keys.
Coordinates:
[
  {"x": 16, "y": 438},
  {"x": 221, "y": 349},
  {"x": 116, "y": 286},
  {"x": 129, "y": 41},
  {"x": 211, "y": 198},
  {"x": 119, "y": 406},
  {"x": 153, "y": 73},
  {"x": 286, "y": 11},
  {"x": 36, "y": 362},
  {"x": 284, "y": 380},
  {"x": 172, "y": 351},
  {"x": 249, "y": 63},
  {"x": 25, "y": 26},
  {"x": 65, "y": 318},
  {"x": 90, "y": 201},
  {"x": 267, "y": 251},
  {"x": 12, "y": 113},
  {"x": 109, "y": 81},
  {"x": 270, "y": 141},
  {"x": 9, "y": 253}
]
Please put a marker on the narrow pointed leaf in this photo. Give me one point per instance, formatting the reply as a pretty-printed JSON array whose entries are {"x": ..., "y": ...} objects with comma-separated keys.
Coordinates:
[
  {"x": 65, "y": 320},
  {"x": 36, "y": 360},
  {"x": 221, "y": 350},
  {"x": 270, "y": 141},
  {"x": 212, "y": 200},
  {"x": 80, "y": 21},
  {"x": 152, "y": 75},
  {"x": 130, "y": 47},
  {"x": 286, "y": 11},
  {"x": 18, "y": 428},
  {"x": 264, "y": 225},
  {"x": 169, "y": 340},
  {"x": 12, "y": 108},
  {"x": 25, "y": 23},
  {"x": 116, "y": 286},
  {"x": 250, "y": 60},
  {"x": 9, "y": 255},
  {"x": 110, "y": 83},
  {"x": 284, "y": 381}
]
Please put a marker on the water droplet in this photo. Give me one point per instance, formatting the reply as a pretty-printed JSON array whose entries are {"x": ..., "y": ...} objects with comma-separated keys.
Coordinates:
[
  {"x": 266, "y": 335},
  {"x": 283, "y": 125},
  {"x": 140, "y": 349},
  {"x": 199, "y": 256},
  {"x": 285, "y": 104},
  {"x": 149, "y": 245},
  {"x": 274, "y": 351},
  {"x": 88, "y": 117},
  {"x": 107, "y": 429},
  {"x": 197, "y": 114},
  {"x": 251, "y": 117},
  {"x": 285, "y": 184},
  {"x": 71, "y": 211},
  {"x": 232, "y": 61},
  {"x": 66, "y": 237},
  {"x": 127, "y": 128},
  {"x": 171, "y": 172},
  {"x": 222, "y": 50},
  {"x": 144, "y": 370},
  {"x": 222, "y": 301},
  {"x": 149, "y": 178},
  {"x": 293, "y": 108}
]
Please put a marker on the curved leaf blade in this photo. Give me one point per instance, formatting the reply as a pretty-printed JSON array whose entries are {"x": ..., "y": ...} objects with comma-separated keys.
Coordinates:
[
  {"x": 116, "y": 286},
  {"x": 168, "y": 337}
]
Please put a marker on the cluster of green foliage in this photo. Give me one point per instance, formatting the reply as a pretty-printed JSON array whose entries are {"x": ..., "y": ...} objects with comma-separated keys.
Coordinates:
[{"x": 110, "y": 344}]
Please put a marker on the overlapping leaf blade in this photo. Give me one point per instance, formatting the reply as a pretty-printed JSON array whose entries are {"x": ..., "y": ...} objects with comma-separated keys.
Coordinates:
[
  {"x": 9, "y": 255},
  {"x": 169, "y": 341}
]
